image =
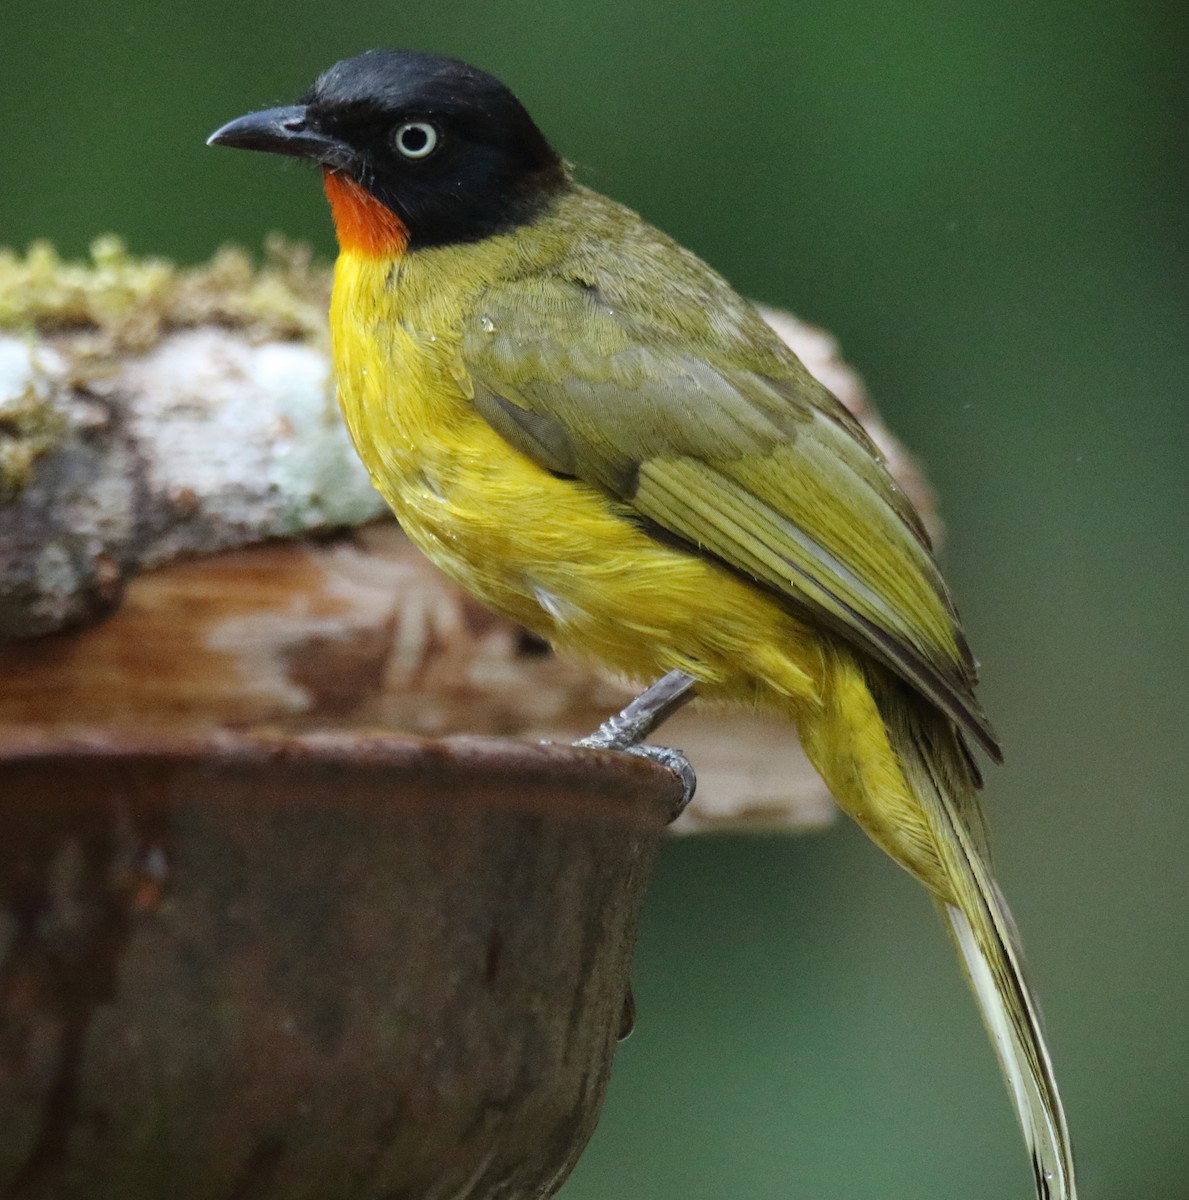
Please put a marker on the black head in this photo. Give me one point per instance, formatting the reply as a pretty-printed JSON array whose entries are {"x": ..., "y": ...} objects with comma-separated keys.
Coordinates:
[{"x": 444, "y": 146}]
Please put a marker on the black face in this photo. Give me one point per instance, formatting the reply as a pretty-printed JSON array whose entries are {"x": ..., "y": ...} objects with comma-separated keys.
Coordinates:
[{"x": 445, "y": 146}]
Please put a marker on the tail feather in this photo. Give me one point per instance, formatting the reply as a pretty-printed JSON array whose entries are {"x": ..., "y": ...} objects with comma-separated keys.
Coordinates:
[
  {"x": 985, "y": 933},
  {"x": 901, "y": 769},
  {"x": 1024, "y": 1059}
]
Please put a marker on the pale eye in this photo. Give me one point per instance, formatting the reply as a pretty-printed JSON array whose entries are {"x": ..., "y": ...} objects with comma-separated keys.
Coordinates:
[{"x": 415, "y": 139}]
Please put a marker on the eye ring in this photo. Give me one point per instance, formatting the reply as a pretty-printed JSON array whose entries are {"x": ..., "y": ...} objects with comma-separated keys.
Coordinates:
[{"x": 415, "y": 139}]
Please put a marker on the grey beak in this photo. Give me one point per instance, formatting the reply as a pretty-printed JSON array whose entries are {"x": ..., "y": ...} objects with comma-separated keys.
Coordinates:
[{"x": 283, "y": 131}]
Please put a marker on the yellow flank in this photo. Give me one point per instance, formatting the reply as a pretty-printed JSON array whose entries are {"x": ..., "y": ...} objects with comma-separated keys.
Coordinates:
[{"x": 562, "y": 559}]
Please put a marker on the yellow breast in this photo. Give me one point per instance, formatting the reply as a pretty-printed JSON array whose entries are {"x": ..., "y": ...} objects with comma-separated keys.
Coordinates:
[{"x": 453, "y": 483}]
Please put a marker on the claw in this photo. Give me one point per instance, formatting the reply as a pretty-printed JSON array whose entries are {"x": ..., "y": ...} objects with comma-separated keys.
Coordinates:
[{"x": 675, "y": 762}]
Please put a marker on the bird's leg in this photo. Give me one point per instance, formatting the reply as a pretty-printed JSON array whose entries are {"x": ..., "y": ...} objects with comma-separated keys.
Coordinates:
[
  {"x": 627, "y": 729},
  {"x": 650, "y": 709}
]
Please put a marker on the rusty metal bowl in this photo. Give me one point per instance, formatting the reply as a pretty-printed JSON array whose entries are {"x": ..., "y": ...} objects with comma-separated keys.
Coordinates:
[{"x": 318, "y": 966}]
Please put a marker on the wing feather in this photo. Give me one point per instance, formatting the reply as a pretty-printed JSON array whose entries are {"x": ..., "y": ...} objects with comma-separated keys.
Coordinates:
[{"x": 727, "y": 443}]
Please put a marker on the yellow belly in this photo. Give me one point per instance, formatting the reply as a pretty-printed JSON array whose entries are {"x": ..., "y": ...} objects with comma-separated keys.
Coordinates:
[{"x": 556, "y": 555}]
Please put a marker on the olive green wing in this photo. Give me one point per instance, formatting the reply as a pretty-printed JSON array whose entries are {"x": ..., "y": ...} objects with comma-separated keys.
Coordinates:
[{"x": 722, "y": 438}]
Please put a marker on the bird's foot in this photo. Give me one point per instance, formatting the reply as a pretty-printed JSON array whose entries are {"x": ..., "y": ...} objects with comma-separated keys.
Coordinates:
[
  {"x": 627, "y": 730},
  {"x": 672, "y": 760}
]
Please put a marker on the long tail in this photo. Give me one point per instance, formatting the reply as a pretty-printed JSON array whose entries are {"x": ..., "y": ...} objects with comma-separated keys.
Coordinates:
[{"x": 922, "y": 808}]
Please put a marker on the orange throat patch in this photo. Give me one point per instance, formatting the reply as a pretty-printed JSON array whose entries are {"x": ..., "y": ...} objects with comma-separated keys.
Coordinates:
[{"x": 362, "y": 223}]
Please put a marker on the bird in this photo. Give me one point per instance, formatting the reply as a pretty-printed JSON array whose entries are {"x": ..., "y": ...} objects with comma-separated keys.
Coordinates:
[{"x": 595, "y": 435}]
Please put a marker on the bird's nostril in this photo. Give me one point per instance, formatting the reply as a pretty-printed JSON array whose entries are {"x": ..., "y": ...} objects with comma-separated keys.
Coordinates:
[{"x": 294, "y": 125}]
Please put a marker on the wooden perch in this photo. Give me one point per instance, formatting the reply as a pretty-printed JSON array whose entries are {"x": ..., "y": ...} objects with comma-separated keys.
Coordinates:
[{"x": 184, "y": 420}]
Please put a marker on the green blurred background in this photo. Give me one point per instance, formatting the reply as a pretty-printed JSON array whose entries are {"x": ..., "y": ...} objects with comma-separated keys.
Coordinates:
[{"x": 987, "y": 203}]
